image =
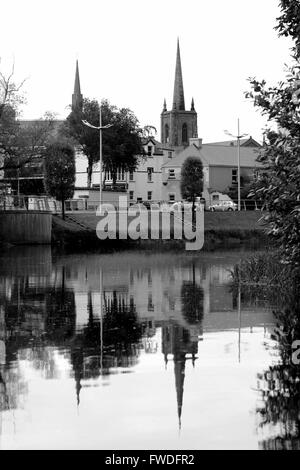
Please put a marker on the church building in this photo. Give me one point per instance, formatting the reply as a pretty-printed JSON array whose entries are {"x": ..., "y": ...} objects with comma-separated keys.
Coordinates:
[{"x": 157, "y": 177}]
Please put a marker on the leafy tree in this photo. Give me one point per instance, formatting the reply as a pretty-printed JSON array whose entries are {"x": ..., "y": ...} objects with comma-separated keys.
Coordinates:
[
  {"x": 191, "y": 184},
  {"x": 23, "y": 146},
  {"x": 21, "y": 143},
  {"x": 59, "y": 167},
  {"x": 278, "y": 182},
  {"x": 10, "y": 95},
  {"x": 149, "y": 130},
  {"x": 121, "y": 143},
  {"x": 289, "y": 22}
]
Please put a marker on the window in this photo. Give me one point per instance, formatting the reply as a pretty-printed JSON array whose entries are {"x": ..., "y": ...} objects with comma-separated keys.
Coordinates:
[
  {"x": 149, "y": 195},
  {"x": 149, "y": 151},
  {"x": 215, "y": 197},
  {"x": 169, "y": 154},
  {"x": 172, "y": 197},
  {"x": 121, "y": 174},
  {"x": 166, "y": 133},
  {"x": 234, "y": 176},
  {"x": 131, "y": 193},
  {"x": 149, "y": 171},
  {"x": 171, "y": 174},
  {"x": 131, "y": 176},
  {"x": 139, "y": 199},
  {"x": 184, "y": 133}
]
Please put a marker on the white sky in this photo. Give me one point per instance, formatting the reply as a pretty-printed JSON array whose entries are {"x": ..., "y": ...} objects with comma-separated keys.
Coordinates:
[{"x": 127, "y": 50}]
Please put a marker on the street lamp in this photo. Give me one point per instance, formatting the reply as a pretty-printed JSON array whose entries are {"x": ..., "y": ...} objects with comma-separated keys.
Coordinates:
[
  {"x": 99, "y": 128},
  {"x": 238, "y": 137}
]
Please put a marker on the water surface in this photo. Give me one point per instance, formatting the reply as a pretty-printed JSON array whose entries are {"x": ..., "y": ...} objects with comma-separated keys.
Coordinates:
[{"x": 131, "y": 351}]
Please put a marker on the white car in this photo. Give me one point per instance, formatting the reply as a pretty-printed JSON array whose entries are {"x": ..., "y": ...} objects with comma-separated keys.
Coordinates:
[
  {"x": 179, "y": 205},
  {"x": 223, "y": 206}
]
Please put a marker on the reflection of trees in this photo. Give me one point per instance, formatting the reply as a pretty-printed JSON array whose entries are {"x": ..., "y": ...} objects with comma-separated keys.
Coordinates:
[
  {"x": 121, "y": 330},
  {"x": 280, "y": 384},
  {"x": 192, "y": 302},
  {"x": 110, "y": 342}
]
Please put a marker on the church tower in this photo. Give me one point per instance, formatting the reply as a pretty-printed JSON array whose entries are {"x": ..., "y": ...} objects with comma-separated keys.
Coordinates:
[
  {"x": 178, "y": 125},
  {"x": 77, "y": 98}
]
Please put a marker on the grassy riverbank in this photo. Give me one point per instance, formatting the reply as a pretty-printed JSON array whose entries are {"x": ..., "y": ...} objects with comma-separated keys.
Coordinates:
[{"x": 222, "y": 230}]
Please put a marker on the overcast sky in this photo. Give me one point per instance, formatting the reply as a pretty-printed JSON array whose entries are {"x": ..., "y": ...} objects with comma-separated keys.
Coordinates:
[{"x": 127, "y": 50}]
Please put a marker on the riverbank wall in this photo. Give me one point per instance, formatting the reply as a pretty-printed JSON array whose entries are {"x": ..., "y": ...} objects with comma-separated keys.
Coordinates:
[
  {"x": 221, "y": 230},
  {"x": 19, "y": 227}
]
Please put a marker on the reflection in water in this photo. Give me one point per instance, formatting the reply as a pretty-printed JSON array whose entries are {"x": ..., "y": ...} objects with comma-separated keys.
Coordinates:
[
  {"x": 89, "y": 319},
  {"x": 280, "y": 384}
]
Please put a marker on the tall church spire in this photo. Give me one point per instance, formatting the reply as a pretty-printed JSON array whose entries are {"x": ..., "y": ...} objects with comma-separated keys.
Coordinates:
[
  {"x": 178, "y": 97},
  {"x": 77, "y": 98}
]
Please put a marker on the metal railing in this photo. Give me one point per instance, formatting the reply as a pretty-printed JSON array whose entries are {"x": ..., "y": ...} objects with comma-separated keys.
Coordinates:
[
  {"x": 85, "y": 204},
  {"x": 27, "y": 203}
]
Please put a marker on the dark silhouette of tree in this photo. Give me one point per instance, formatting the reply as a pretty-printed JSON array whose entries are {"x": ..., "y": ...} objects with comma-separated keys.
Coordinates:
[
  {"x": 121, "y": 143},
  {"x": 59, "y": 166},
  {"x": 280, "y": 385},
  {"x": 279, "y": 178},
  {"x": 192, "y": 297},
  {"x": 191, "y": 183}
]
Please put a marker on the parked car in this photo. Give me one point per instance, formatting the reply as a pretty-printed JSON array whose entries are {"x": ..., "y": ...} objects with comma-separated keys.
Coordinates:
[
  {"x": 222, "y": 206},
  {"x": 179, "y": 205},
  {"x": 187, "y": 206}
]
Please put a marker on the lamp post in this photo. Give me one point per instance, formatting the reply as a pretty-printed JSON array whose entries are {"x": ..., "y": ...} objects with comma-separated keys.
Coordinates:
[
  {"x": 238, "y": 137},
  {"x": 99, "y": 128}
]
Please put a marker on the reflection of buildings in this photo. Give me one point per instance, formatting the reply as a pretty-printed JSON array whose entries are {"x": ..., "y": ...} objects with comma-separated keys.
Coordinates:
[
  {"x": 48, "y": 308},
  {"x": 156, "y": 287}
]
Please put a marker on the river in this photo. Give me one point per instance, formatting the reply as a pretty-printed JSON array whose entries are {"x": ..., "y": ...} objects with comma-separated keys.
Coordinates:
[{"x": 132, "y": 350}]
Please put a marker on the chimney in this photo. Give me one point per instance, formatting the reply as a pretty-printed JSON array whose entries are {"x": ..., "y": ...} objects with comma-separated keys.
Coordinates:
[{"x": 197, "y": 141}]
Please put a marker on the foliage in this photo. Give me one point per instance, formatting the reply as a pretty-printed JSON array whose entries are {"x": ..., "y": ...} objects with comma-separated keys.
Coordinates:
[
  {"x": 289, "y": 22},
  {"x": 21, "y": 143},
  {"x": 121, "y": 143},
  {"x": 192, "y": 302},
  {"x": 278, "y": 183},
  {"x": 191, "y": 183},
  {"x": 10, "y": 95},
  {"x": 279, "y": 179},
  {"x": 59, "y": 166}
]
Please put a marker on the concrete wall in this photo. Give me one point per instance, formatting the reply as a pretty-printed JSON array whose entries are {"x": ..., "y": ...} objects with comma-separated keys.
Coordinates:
[{"x": 32, "y": 227}]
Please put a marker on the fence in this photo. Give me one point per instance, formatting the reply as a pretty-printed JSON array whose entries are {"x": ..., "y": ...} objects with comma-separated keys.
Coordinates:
[
  {"x": 83, "y": 204},
  {"x": 29, "y": 203}
]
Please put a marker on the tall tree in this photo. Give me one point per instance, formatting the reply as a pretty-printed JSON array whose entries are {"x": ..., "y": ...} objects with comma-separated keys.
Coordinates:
[
  {"x": 21, "y": 142},
  {"x": 279, "y": 179},
  {"x": 59, "y": 163},
  {"x": 121, "y": 143},
  {"x": 10, "y": 91},
  {"x": 191, "y": 183}
]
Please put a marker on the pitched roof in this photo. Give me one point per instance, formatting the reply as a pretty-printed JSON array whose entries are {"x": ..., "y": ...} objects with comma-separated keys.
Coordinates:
[
  {"x": 249, "y": 142},
  {"x": 157, "y": 145},
  {"x": 216, "y": 155}
]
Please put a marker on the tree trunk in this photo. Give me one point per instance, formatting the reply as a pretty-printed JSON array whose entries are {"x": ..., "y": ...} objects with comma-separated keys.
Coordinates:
[
  {"x": 63, "y": 208},
  {"x": 89, "y": 174},
  {"x": 114, "y": 179},
  {"x": 193, "y": 212}
]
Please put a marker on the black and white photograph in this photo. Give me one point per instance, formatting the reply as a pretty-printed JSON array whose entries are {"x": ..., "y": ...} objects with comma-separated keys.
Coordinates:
[{"x": 149, "y": 227}]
